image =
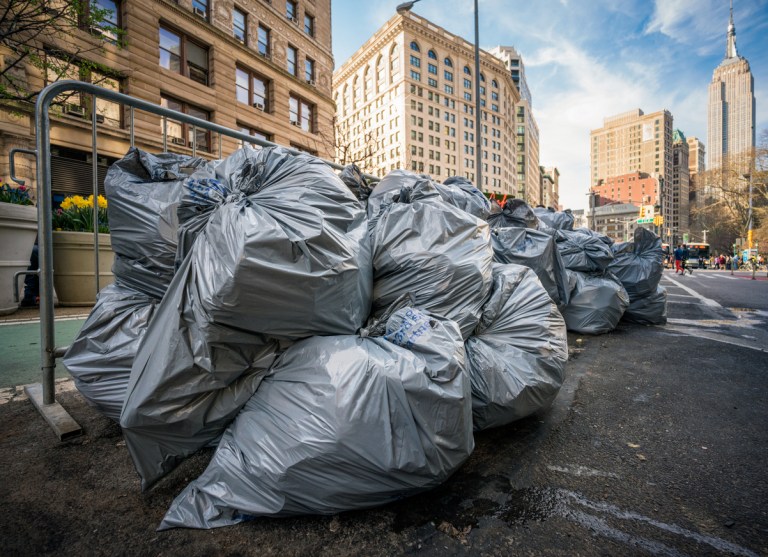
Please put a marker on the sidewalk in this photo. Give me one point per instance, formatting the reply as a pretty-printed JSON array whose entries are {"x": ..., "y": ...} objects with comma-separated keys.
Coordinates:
[{"x": 20, "y": 342}]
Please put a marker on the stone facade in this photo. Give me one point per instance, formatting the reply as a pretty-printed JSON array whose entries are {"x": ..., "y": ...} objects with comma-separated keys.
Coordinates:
[
  {"x": 190, "y": 56},
  {"x": 406, "y": 99}
]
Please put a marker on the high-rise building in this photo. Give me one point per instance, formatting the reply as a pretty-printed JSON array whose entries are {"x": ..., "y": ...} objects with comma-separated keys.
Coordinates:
[
  {"x": 526, "y": 129},
  {"x": 679, "y": 222},
  {"x": 635, "y": 142},
  {"x": 258, "y": 66},
  {"x": 406, "y": 99},
  {"x": 696, "y": 165},
  {"x": 637, "y": 188},
  {"x": 731, "y": 118},
  {"x": 550, "y": 187}
]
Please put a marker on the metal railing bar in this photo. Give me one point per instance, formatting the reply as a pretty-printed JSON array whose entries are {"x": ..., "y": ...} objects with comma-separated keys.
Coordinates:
[
  {"x": 95, "y": 188},
  {"x": 165, "y": 134},
  {"x": 132, "y": 124},
  {"x": 194, "y": 141},
  {"x": 13, "y": 163}
]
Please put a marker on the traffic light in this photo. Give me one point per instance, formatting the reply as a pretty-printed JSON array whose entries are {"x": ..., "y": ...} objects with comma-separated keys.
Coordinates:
[
  {"x": 642, "y": 211},
  {"x": 658, "y": 220},
  {"x": 749, "y": 239}
]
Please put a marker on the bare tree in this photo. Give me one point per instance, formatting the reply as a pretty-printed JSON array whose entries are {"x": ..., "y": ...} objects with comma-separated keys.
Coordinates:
[
  {"x": 345, "y": 151},
  {"x": 724, "y": 207},
  {"x": 56, "y": 37}
]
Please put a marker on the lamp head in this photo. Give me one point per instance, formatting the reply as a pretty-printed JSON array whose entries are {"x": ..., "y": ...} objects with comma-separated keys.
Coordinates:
[{"x": 405, "y": 6}]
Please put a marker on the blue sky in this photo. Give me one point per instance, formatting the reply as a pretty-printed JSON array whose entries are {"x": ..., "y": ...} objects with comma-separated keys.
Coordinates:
[{"x": 588, "y": 59}]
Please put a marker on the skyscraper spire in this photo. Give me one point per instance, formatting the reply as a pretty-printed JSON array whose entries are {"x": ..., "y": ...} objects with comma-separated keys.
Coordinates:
[{"x": 730, "y": 45}]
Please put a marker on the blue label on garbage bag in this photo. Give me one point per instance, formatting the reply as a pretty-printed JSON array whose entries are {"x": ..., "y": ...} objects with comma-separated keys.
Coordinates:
[{"x": 406, "y": 326}]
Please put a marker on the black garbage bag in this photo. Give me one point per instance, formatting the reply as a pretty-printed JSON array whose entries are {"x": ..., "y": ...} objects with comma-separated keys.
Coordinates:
[
  {"x": 101, "y": 356},
  {"x": 608, "y": 241},
  {"x": 341, "y": 423},
  {"x": 281, "y": 254},
  {"x": 352, "y": 176},
  {"x": 555, "y": 220},
  {"x": 459, "y": 192},
  {"x": 515, "y": 213},
  {"x": 144, "y": 192},
  {"x": 639, "y": 264},
  {"x": 583, "y": 252},
  {"x": 536, "y": 250},
  {"x": 597, "y": 303},
  {"x": 517, "y": 355},
  {"x": 648, "y": 310},
  {"x": 439, "y": 254}
]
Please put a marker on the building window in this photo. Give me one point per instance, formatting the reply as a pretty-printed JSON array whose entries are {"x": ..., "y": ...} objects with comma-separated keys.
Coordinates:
[
  {"x": 448, "y": 62},
  {"x": 309, "y": 71},
  {"x": 291, "y": 9},
  {"x": 432, "y": 54},
  {"x": 108, "y": 24},
  {"x": 309, "y": 25},
  {"x": 415, "y": 46},
  {"x": 415, "y": 61},
  {"x": 448, "y": 75},
  {"x": 253, "y": 132},
  {"x": 181, "y": 134},
  {"x": 415, "y": 75},
  {"x": 252, "y": 89},
  {"x": 467, "y": 84},
  {"x": 200, "y": 7},
  {"x": 79, "y": 104},
  {"x": 394, "y": 65},
  {"x": 291, "y": 54},
  {"x": 432, "y": 69},
  {"x": 467, "y": 96},
  {"x": 263, "y": 41},
  {"x": 448, "y": 89},
  {"x": 181, "y": 55},
  {"x": 301, "y": 113},
  {"x": 431, "y": 82},
  {"x": 380, "y": 83},
  {"x": 239, "y": 25}
]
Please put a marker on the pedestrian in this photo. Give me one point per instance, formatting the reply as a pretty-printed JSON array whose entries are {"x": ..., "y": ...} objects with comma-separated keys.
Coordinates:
[
  {"x": 722, "y": 261},
  {"x": 679, "y": 259},
  {"x": 685, "y": 255},
  {"x": 701, "y": 262},
  {"x": 735, "y": 263},
  {"x": 728, "y": 263}
]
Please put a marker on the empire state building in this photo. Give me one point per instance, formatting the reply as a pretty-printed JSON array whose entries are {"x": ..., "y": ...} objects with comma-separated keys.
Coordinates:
[{"x": 731, "y": 119}]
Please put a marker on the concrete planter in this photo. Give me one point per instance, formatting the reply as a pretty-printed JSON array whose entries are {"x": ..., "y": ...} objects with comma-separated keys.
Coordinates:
[
  {"x": 18, "y": 228},
  {"x": 73, "y": 267}
]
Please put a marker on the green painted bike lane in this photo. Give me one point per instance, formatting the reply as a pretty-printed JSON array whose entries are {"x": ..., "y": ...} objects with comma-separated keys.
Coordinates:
[{"x": 20, "y": 350}]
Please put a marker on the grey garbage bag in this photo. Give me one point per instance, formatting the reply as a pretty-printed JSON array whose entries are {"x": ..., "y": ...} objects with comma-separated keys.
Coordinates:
[
  {"x": 352, "y": 176},
  {"x": 536, "y": 250},
  {"x": 440, "y": 254},
  {"x": 144, "y": 193},
  {"x": 459, "y": 192},
  {"x": 277, "y": 251},
  {"x": 388, "y": 187},
  {"x": 515, "y": 213},
  {"x": 583, "y": 252},
  {"x": 516, "y": 357},
  {"x": 594, "y": 234},
  {"x": 190, "y": 378},
  {"x": 555, "y": 220},
  {"x": 285, "y": 247},
  {"x": 101, "y": 356},
  {"x": 648, "y": 310},
  {"x": 639, "y": 264},
  {"x": 341, "y": 423},
  {"x": 597, "y": 303}
]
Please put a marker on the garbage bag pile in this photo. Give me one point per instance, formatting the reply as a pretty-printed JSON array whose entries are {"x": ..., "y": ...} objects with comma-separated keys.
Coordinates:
[
  {"x": 326, "y": 347},
  {"x": 340, "y": 423},
  {"x": 556, "y": 220},
  {"x": 598, "y": 300},
  {"x": 459, "y": 192},
  {"x": 517, "y": 354},
  {"x": 436, "y": 252},
  {"x": 639, "y": 265}
]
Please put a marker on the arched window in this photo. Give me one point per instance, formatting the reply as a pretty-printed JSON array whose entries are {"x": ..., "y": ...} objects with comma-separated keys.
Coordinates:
[
  {"x": 448, "y": 62},
  {"x": 482, "y": 77},
  {"x": 432, "y": 54},
  {"x": 380, "y": 73},
  {"x": 415, "y": 46},
  {"x": 495, "y": 84},
  {"x": 345, "y": 100},
  {"x": 366, "y": 83},
  {"x": 355, "y": 92},
  {"x": 394, "y": 65},
  {"x": 467, "y": 70}
]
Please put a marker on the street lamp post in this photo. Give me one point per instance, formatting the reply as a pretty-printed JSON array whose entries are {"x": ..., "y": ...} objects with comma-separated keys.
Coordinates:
[{"x": 406, "y": 7}]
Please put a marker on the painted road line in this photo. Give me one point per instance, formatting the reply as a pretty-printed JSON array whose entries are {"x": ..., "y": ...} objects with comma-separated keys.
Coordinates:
[
  {"x": 692, "y": 292},
  {"x": 672, "y": 329}
]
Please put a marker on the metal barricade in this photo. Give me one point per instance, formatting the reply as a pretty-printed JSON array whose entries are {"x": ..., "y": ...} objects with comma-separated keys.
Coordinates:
[{"x": 43, "y": 394}]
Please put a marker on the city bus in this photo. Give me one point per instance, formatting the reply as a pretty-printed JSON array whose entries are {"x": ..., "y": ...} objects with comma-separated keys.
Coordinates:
[{"x": 698, "y": 255}]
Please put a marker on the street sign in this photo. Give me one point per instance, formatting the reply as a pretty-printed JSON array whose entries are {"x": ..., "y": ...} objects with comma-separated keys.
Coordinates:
[{"x": 647, "y": 220}]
